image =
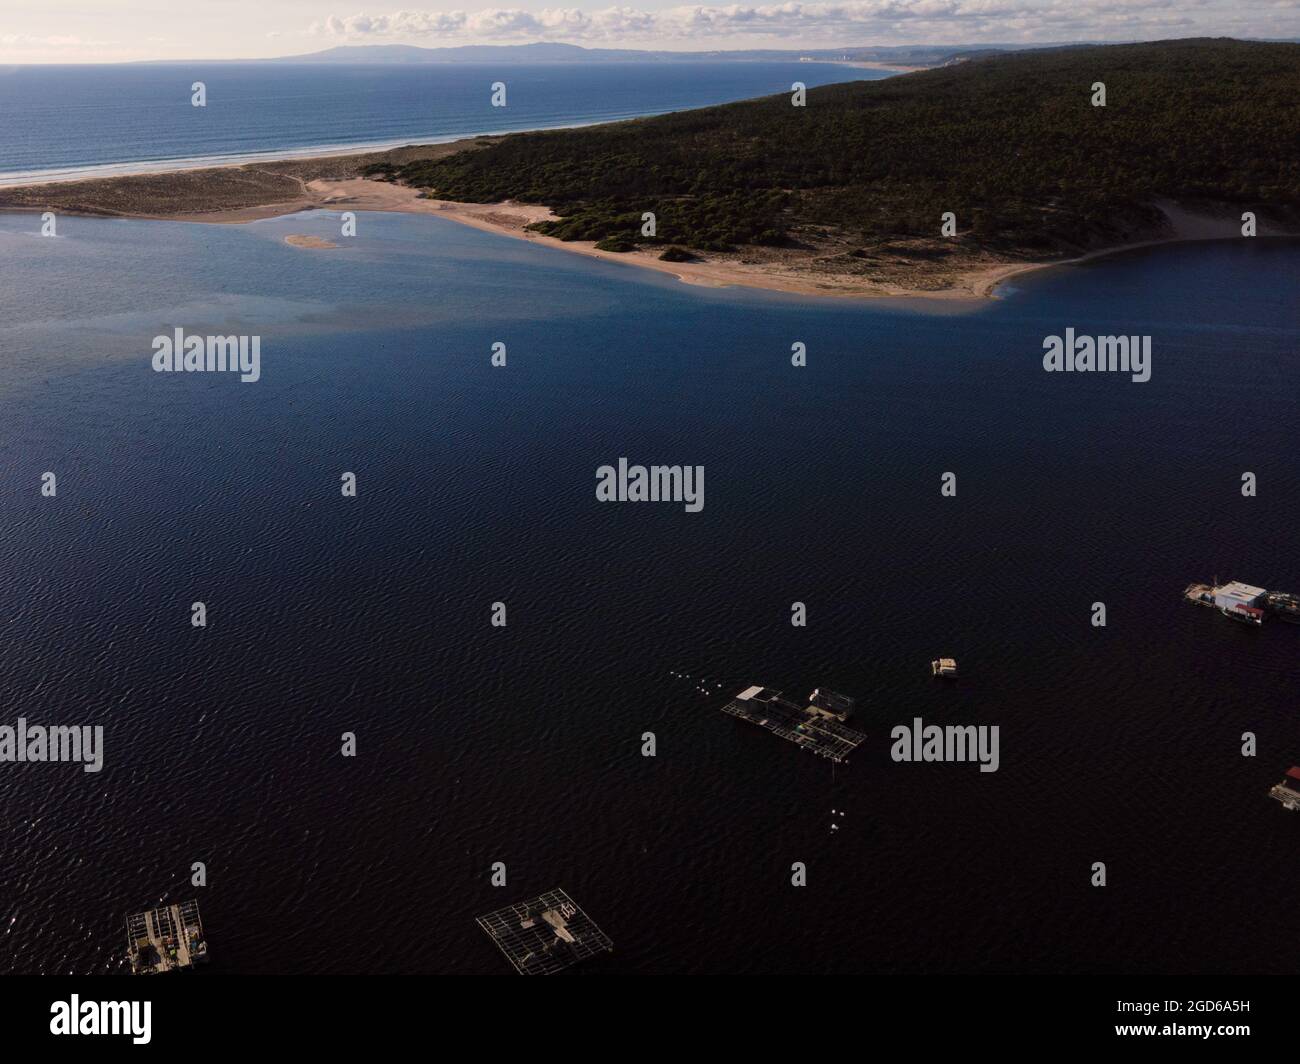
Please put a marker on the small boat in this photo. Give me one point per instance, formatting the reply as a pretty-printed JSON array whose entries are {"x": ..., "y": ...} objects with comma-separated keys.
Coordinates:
[{"x": 944, "y": 667}]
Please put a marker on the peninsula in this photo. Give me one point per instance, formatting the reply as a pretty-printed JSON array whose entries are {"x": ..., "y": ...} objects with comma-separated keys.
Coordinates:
[{"x": 940, "y": 183}]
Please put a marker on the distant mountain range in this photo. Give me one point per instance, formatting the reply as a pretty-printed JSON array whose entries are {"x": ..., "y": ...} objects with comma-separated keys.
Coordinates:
[{"x": 928, "y": 55}]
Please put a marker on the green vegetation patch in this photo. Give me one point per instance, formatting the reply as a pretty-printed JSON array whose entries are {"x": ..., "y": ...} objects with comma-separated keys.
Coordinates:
[{"x": 1011, "y": 144}]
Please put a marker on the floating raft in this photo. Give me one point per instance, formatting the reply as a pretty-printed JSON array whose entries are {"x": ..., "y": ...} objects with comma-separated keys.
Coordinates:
[
  {"x": 546, "y": 934},
  {"x": 1244, "y": 602},
  {"x": 166, "y": 939},
  {"x": 1288, "y": 791},
  {"x": 1283, "y": 605},
  {"x": 816, "y": 727},
  {"x": 945, "y": 667}
]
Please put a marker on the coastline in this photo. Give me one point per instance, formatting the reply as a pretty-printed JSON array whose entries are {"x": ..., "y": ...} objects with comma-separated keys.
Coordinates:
[
  {"x": 862, "y": 64},
  {"x": 233, "y": 194},
  {"x": 150, "y": 168},
  {"x": 252, "y": 158},
  {"x": 205, "y": 202}
]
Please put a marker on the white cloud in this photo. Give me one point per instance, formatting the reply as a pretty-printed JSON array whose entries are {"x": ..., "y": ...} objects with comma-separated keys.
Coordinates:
[
  {"x": 22, "y": 40},
  {"x": 880, "y": 21}
]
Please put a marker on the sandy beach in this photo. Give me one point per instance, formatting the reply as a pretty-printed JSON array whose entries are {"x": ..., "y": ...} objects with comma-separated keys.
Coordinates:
[
  {"x": 236, "y": 194},
  {"x": 298, "y": 240},
  {"x": 770, "y": 269}
]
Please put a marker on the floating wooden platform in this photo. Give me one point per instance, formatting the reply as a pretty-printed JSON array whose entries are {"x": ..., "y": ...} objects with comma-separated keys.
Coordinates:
[
  {"x": 1284, "y": 605},
  {"x": 546, "y": 934},
  {"x": 166, "y": 939},
  {"x": 1288, "y": 791},
  {"x": 811, "y": 727},
  {"x": 944, "y": 667}
]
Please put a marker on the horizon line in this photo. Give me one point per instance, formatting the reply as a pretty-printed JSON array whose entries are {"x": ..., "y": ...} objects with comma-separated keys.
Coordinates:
[{"x": 687, "y": 52}]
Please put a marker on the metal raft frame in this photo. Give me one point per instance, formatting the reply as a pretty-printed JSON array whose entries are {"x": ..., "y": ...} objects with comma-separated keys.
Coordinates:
[
  {"x": 824, "y": 737},
  {"x": 537, "y": 949},
  {"x": 159, "y": 925},
  {"x": 1290, "y": 799}
]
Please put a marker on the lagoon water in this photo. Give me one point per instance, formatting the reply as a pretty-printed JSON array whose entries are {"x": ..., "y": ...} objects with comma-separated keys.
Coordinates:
[
  {"x": 523, "y": 745},
  {"x": 73, "y": 120}
]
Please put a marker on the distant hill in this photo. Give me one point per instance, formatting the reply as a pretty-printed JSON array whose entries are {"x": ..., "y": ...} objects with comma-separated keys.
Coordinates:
[
  {"x": 469, "y": 53},
  {"x": 930, "y": 55},
  {"x": 1009, "y": 143}
]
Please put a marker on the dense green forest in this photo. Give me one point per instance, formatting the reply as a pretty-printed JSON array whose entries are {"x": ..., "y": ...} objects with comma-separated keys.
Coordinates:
[{"x": 1011, "y": 144}]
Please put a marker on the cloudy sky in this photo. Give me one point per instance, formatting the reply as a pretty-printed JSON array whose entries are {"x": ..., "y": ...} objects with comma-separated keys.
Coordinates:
[{"x": 73, "y": 31}]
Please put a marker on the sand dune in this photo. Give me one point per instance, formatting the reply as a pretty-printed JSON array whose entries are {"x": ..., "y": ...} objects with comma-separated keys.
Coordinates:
[{"x": 238, "y": 194}]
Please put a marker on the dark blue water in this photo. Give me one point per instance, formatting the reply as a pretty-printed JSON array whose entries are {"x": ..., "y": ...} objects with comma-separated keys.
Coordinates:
[
  {"x": 522, "y": 745},
  {"x": 67, "y": 119}
]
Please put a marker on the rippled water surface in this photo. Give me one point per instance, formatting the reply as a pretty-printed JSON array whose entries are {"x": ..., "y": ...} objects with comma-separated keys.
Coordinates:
[
  {"x": 70, "y": 119},
  {"x": 523, "y": 744}
]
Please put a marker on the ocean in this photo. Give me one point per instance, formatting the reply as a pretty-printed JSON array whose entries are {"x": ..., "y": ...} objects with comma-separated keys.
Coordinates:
[
  {"x": 523, "y": 744},
  {"x": 76, "y": 121}
]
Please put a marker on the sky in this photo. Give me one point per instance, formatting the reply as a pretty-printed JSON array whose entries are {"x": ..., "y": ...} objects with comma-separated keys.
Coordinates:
[{"x": 98, "y": 31}]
